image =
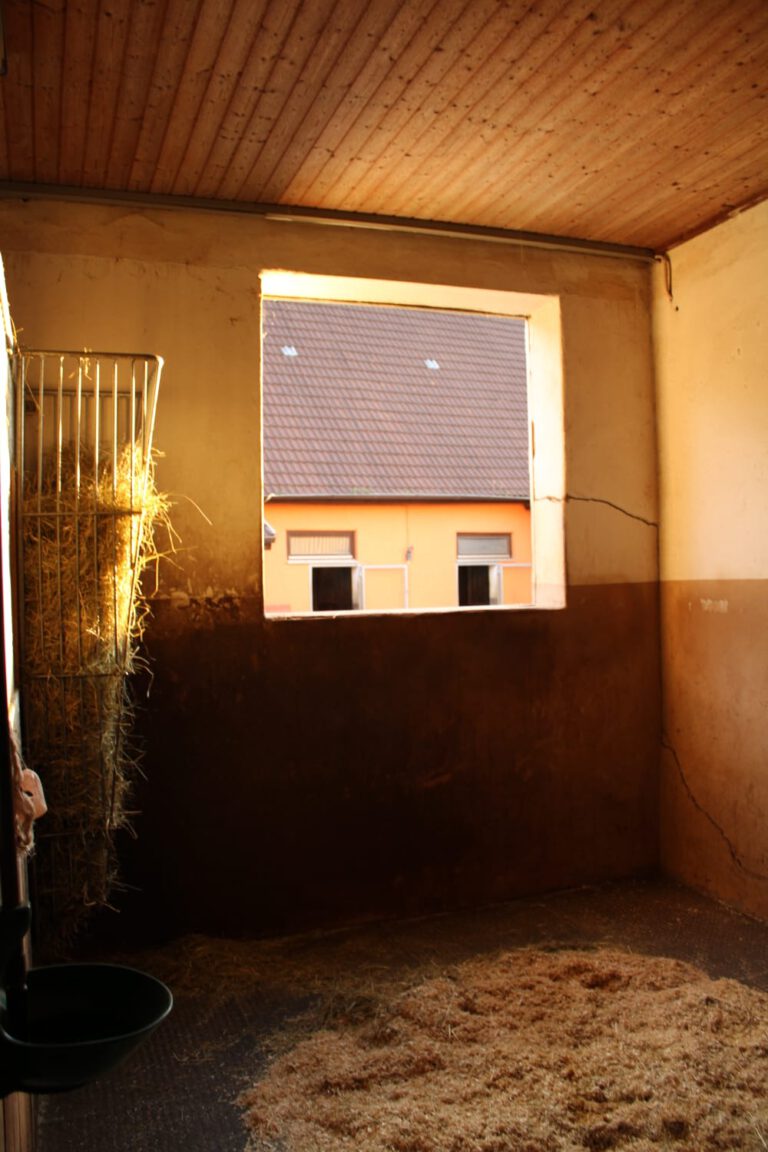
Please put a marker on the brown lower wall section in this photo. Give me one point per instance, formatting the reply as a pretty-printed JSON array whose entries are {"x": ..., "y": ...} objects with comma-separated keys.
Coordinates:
[
  {"x": 306, "y": 773},
  {"x": 714, "y": 794}
]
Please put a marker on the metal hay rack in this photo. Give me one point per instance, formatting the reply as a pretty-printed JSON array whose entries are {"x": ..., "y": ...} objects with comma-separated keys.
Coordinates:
[{"x": 85, "y": 504}]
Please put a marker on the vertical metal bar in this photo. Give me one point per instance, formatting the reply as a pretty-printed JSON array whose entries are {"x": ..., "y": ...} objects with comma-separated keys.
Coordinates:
[
  {"x": 144, "y": 460},
  {"x": 19, "y": 412},
  {"x": 96, "y": 419},
  {"x": 115, "y": 426},
  {"x": 96, "y": 482},
  {"x": 128, "y": 451},
  {"x": 115, "y": 450},
  {"x": 115, "y": 575},
  {"x": 41, "y": 524},
  {"x": 98, "y": 529},
  {"x": 39, "y": 502},
  {"x": 133, "y": 526},
  {"x": 78, "y": 511},
  {"x": 138, "y": 514},
  {"x": 132, "y": 428},
  {"x": 144, "y": 419},
  {"x": 59, "y": 432}
]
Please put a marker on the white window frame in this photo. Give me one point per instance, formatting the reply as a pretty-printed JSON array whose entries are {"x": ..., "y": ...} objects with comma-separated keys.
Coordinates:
[
  {"x": 476, "y": 558},
  {"x": 495, "y": 588},
  {"x": 495, "y": 563},
  {"x": 335, "y": 559}
]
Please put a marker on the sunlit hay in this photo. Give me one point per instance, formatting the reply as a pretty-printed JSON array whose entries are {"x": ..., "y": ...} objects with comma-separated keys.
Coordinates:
[
  {"x": 530, "y": 1051},
  {"x": 87, "y": 534}
]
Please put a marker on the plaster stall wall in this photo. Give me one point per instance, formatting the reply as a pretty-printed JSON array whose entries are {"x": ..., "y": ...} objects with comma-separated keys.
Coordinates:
[
  {"x": 712, "y": 370},
  {"x": 308, "y": 772}
]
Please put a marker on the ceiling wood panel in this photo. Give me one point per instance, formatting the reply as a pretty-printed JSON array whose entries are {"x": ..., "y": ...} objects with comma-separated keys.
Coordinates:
[
  {"x": 78, "y": 48},
  {"x": 601, "y": 118},
  {"x": 48, "y": 40},
  {"x": 293, "y": 85},
  {"x": 199, "y": 64},
  {"x": 267, "y": 42},
  {"x": 627, "y": 121},
  {"x": 168, "y": 60},
  {"x": 569, "y": 165},
  {"x": 225, "y": 77},
  {"x": 361, "y": 74},
  {"x": 638, "y": 150},
  {"x": 514, "y": 69},
  {"x": 109, "y": 56},
  {"x": 324, "y": 82},
  {"x": 679, "y": 170},
  {"x": 146, "y": 23},
  {"x": 272, "y": 50},
  {"x": 17, "y": 97},
  {"x": 423, "y": 64},
  {"x": 386, "y": 50}
]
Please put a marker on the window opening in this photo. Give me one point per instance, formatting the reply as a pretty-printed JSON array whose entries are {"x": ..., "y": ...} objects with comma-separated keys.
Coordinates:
[
  {"x": 332, "y": 589},
  {"x": 478, "y": 584},
  {"x": 482, "y": 583},
  {"x": 319, "y": 546},
  {"x": 370, "y": 468},
  {"x": 497, "y": 546}
]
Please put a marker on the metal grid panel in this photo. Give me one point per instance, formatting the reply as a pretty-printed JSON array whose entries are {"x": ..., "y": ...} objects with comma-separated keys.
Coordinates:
[{"x": 84, "y": 428}]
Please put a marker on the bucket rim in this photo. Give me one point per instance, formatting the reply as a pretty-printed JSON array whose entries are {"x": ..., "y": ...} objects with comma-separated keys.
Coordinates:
[{"x": 84, "y": 967}]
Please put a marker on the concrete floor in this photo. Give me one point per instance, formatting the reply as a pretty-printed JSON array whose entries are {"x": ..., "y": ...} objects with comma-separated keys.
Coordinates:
[{"x": 179, "y": 1091}]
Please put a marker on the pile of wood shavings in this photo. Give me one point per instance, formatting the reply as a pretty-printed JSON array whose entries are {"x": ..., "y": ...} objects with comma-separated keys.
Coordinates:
[{"x": 531, "y": 1051}]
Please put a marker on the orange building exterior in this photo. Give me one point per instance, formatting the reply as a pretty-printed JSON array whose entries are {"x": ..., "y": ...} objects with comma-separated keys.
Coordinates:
[{"x": 403, "y": 555}]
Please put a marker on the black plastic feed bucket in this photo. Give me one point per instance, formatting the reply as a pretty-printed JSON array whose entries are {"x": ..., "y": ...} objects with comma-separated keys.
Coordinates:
[{"x": 76, "y": 1022}]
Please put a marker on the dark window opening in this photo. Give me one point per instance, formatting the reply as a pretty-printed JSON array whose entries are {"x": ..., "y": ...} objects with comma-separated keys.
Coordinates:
[
  {"x": 474, "y": 585},
  {"x": 332, "y": 589}
]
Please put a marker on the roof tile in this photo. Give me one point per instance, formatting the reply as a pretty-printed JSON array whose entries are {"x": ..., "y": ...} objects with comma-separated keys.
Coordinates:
[{"x": 358, "y": 411}]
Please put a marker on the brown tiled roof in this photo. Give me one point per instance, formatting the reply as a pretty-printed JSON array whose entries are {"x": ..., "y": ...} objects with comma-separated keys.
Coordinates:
[{"x": 369, "y": 401}]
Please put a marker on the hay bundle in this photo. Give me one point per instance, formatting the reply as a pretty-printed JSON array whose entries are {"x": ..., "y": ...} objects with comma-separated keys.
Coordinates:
[{"x": 87, "y": 533}]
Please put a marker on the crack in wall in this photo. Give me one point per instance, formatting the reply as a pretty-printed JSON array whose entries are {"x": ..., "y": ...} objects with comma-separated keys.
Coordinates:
[
  {"x": 610, "y": 504},
  {"x": 572, "y": 498},
  {"x": 732, "y": 852}
]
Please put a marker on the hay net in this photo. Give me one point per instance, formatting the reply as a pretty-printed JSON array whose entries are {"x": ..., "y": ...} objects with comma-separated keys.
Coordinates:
[{"x": 85, "y": 508}]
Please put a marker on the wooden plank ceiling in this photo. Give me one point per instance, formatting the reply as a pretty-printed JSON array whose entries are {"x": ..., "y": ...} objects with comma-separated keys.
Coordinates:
[{"x": 626, "y": 122}]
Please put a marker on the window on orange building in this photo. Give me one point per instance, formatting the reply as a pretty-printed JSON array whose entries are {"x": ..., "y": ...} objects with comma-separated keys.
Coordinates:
[
  {"x": 333, "y": 574},
  {"x": 480, "y": 562}
]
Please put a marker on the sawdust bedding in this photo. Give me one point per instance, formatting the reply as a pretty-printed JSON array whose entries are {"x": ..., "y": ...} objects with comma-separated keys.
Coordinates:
[{"x": 528, "y": 1051}]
